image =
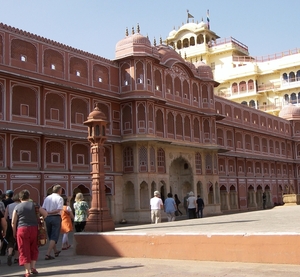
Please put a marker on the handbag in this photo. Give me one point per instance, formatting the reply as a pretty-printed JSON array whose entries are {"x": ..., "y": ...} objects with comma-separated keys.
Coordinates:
[
  {"x": 176, "y": 213},
  {"x": 42, "y": 231}
]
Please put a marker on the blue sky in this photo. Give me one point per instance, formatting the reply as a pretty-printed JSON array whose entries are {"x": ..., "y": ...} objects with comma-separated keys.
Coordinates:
[{"x": 95, "y": 26}]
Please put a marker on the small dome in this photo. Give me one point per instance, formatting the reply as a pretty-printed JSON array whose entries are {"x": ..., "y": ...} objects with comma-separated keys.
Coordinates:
[
  {"x": 204, "y": 70},
  {"x": 96, "y": 114},
  {"x": 172, "y": 33},
  {"x": 290, "y": 112},
  {"x": 202, "y": 24},
  {"x": 167, "y": 54},
  {"x": 136, "y": 38},
  {"x": 191, "y": 26},
  {"x": 133, "y": 44}
]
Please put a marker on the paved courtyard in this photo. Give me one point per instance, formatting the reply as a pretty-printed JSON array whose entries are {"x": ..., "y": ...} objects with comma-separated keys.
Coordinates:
[{"x": 280, "y": 220}]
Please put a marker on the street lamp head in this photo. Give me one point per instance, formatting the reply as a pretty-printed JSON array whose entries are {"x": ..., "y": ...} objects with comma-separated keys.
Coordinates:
[{"x": 96, "y": 123}]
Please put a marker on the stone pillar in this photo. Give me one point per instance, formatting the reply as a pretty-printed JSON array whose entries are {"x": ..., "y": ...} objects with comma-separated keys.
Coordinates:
[{"x": 99, "y": 219}]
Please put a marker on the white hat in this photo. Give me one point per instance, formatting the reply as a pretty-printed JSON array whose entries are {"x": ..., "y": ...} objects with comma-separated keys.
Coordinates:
[
  {"x": 191, "y": 193},
  {"x": 156, "y": 193}
]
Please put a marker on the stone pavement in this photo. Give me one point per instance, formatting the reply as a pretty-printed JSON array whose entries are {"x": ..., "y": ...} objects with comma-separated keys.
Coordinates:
[{"x": 280, "y": 220}]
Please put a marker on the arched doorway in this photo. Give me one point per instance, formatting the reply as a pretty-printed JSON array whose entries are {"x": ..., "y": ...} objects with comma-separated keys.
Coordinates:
[
  {"x": 210, "y": 193},
  {"x": 280, "y": 194},
  {"x": 233, "y": 199},
  {"x": 50, "y": 190},
  {"x": 251, "y": 199},
  {"x": 268, "y": 192},
  {"x": 224, "y": 198},
  {"x": 200, "y": 191},
  {"x": 259, "y": 196},
  {"x": 181, "y": 177},
  {"x": 162, "y": 189},
  {"x": 86, "y": 194}
]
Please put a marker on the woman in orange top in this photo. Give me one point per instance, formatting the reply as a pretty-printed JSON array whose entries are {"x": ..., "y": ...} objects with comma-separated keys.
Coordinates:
[{"x": 66, "y": 224}]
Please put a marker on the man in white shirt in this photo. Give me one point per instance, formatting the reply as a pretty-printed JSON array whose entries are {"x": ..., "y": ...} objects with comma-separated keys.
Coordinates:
[
  {"x": 53, "y": 204},
  {"x": 156, "y": 207}
]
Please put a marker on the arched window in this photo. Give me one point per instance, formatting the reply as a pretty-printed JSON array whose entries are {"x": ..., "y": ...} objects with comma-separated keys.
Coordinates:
[
  {"x": 152, "y": 160},
  {"x": 286, "y": 98},
  {"x": 128, "y": 159},
  {"x": 285, "y": 77},
  {"x": 198, "y": 163},
  {"x": 208, "y": 164},
  {"x": 298, "y": 75},
  {"x": 293, "y": 98},
  {"x": 158, "y": 82},
  {"x": 234, "y": 88},
  {"x": 252, "y": 104},
  {"x": 161, "y": 161},
  {"x": 143, "y": 159},
  {"x": 292, "y": 77}
]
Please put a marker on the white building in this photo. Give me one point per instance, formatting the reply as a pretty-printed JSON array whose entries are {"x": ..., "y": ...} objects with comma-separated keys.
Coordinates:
[{"x": 265, "y": 83}]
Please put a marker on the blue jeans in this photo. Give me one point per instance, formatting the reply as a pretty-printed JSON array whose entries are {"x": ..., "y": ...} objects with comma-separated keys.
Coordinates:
[
  {"x": 53, "y": 224},
  {"x": 200, "y": 213}
]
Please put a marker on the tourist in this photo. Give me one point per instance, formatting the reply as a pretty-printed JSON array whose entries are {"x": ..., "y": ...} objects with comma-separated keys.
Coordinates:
[
  {"x": 200, "y": 206},
  {"x": 192, "y": 204},
  {"x": 12, "y": 249},
  {"x": 177, "y": 201},
  {"x": 170, "y": 207},
  {"x": 81, "y": 209},
  {"x": 53, "y": 204},
  {"x": 8, "y": 198},
  {"x": 2, "y": 207},
  {"x": 66, "y": 224},
  {"x": 25, "y": 229},
  {"x": 156, "y": 205},
  {"x": 3, "y": 227},
  {"x": 185, "y": 204}
]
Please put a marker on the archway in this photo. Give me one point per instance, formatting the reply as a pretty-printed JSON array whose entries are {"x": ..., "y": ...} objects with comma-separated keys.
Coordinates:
[
  {"x": 34, "y": 192},
  {"x": 224, "y": 198},
  {"x": 163, "y": 190},
  {"x": 181, "y": 177},
  {"x": 279, "y": 196},
  {"x": 268, "y": 192},
  {"x": 200, "y": 191},
  {"x": 210, "y": 193},
  {"x": 233, "y": 199},
  {"x": 259, "y": 196},
  {"x": 50, "y": 191},
  {"x": 86, "y": 194},
  {"x": 251, "y": 199}
]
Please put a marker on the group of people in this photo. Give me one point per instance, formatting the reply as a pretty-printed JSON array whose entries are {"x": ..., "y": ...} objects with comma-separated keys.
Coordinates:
[
  {"x": 19, "y": 225},
  {"x": 193, "y": 206}
]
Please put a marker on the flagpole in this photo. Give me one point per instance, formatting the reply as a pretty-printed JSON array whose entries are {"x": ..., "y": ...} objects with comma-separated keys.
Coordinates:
[
  {"x": 207, "y": 19},
  {"x": 189, "y": 16}
]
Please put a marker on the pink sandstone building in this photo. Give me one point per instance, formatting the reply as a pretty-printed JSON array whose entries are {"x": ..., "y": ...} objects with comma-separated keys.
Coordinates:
[{"x": 167, "y": 129}]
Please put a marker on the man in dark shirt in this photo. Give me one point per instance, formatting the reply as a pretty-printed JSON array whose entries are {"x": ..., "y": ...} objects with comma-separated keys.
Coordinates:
[
  {"x": 200, "y": 206},
  {"x": 3, "y": 227},
  {"x": 8, "y": 198}
]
